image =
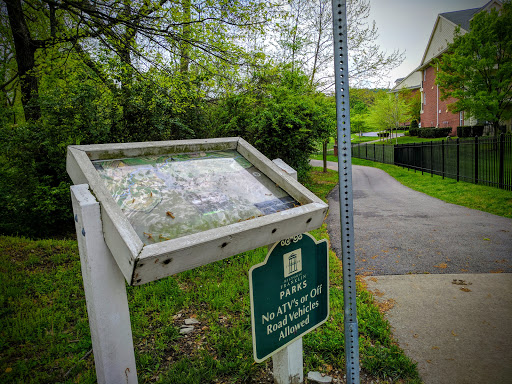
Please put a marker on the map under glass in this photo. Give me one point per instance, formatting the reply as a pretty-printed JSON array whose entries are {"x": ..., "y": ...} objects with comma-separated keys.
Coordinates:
[{"x": 165, "y": 197}]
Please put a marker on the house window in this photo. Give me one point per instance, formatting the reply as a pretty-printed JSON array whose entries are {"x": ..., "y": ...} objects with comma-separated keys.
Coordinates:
[
  {"x": 461, "y": 118},
  {"x": 424, "y": 75},
  {"x": 424, "y": 98}
]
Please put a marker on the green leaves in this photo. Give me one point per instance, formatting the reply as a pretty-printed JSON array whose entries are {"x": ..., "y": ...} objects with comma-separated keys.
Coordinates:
[
  {"x": 388, "y": 111},
  {"x": 478, "y": 69},
  {"x": 280, "y": 114}
]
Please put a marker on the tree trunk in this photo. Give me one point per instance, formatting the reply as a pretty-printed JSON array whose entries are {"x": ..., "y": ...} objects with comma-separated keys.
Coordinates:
[
  {"x": 25, "y": 59},
  {"x": 496, "y": 128},
  {"x": 127, "y": 132},
  {"x": 184, "y": 45},
  {"x": 317, "y": 46},
  {"x": 324, "y": 150}
]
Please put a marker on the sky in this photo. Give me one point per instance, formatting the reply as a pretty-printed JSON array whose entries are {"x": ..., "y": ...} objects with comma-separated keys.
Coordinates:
[{"x": 406, "y": 25}]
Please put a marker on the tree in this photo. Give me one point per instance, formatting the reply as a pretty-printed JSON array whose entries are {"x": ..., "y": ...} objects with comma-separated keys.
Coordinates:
[
  {"x": 388, "y": 112},
  {"x": 306, "y": 40},
  {"x": 325, "y": 127},
  {"x": 361, "y": 99},
  {"x": 90, "y": 71},
  {"x": 280, "y": 114},
  {"x": 414, "y": 101},
  {"x": 477, "y": 71},
  {"x": 134, "y": 35}
]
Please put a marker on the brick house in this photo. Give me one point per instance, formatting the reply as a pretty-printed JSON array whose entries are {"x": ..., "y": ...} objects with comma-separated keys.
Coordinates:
[{"x": 434, "y": 111}]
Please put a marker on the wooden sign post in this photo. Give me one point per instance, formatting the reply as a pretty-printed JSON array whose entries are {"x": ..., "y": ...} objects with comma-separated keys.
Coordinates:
[
  {"x": 126, "y": 192},
  {"x": 289, "y": 298}
]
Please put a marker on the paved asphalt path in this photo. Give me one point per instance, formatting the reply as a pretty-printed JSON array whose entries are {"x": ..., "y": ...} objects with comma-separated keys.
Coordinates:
[
  {"x": 455, "y": 320},
  {"x": 400, "y": 231}
]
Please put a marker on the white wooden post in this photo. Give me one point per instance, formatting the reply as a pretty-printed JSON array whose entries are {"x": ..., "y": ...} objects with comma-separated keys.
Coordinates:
[
  {"x": 105, "y": 293},
  {"x": 288, "y": 363}
]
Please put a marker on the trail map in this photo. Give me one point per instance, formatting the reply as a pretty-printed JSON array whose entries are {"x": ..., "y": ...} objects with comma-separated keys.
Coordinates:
[{"x": 165, "y": 197}]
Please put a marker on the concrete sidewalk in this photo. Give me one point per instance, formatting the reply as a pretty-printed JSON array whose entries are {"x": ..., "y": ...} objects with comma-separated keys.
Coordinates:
[{"x": 458, "y": 328}]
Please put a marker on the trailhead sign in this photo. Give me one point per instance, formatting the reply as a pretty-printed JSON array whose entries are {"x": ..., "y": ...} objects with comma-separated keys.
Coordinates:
[
  {"x": 289, "y": 293},
  {"x": 167, "y": 207}
]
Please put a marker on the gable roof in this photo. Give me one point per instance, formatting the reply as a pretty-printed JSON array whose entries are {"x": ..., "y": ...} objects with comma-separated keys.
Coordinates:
[
  {"x": 457, "y": 18},
  {"x": 412, "y": 81},
  {"x": 461, "y": 18}
]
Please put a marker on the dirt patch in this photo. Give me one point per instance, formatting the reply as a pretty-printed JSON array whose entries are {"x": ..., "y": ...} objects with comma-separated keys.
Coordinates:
[{"x": 386, "y": 305}]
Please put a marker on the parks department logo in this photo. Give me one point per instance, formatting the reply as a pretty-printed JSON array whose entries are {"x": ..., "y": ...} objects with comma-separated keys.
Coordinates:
[{"x": 292, "y": 262}]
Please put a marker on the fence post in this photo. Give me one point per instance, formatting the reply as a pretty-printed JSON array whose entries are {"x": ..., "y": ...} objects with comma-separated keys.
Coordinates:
[
  {"x": 421, "y": 157},
  {"x": 366, "y": 149},
  {"x": 442, "y": 155},
  {"x": 502, "y": 162},
  {"x": 431, "y": 159},
  {"x": 374, "y": 152},
  {"x": 458, "y": 158},
  {"x": 414, "y": 153},
  {"x": 476, "y": 159}
]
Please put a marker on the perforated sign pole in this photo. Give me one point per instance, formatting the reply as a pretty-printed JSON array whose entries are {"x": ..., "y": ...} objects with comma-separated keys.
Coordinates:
[{"x": 345, "y": 183}]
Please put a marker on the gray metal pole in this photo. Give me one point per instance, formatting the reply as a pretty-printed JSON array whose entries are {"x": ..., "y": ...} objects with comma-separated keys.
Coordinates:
[{"x": 345, "y": 179}]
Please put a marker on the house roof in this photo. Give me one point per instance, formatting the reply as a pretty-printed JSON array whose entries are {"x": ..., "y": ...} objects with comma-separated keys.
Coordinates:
[
  {"x": 461, "y": 18},
  {"x": 412, "y": 81}
]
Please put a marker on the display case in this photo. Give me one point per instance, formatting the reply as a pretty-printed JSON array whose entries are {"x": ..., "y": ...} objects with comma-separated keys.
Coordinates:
[{"x": 175, "y": 205}]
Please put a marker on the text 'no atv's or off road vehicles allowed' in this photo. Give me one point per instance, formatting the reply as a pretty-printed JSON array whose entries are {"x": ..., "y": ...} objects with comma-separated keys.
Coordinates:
[{"x": 289, "y": 293}]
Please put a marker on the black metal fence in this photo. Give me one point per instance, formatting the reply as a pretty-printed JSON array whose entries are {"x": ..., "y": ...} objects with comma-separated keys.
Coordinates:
[
  {"x": 484, "y": 160},
  {"x": 374, "y": 152}
]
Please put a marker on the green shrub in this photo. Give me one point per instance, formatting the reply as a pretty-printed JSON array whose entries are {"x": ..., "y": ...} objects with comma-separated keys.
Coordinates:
[
  {"x": 414, "y": 131},
  {"x": 470, "y": 131},
  {"x": 34, "y": 193},
  {"x": 283, "y": 117},
  {"x": 383, "y": 134},
  {"x": 431, "y": 132},
  {"x": 34, "y": 190}
]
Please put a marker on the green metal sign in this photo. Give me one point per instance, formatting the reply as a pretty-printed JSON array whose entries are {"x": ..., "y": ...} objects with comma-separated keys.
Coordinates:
[{"x": 289, "y": 293}]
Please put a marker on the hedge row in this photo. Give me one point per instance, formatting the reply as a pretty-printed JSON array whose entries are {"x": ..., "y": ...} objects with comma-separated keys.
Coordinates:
[
  {"x": 383, "y": 134},
  {"x": 477, "y": 130},
  {"x": 430, "y": 132},
  {"x": 467, "y": 131}
]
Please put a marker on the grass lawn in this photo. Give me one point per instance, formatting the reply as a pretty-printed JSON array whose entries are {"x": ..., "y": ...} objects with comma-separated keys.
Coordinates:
[
  {"x": 45, "y": 333},
  {"x": 355, "y": 138},
  {"x": 329, "y": 157},
  {"x": 408, "y": 140},
  {"x": 488, "y": 199}
]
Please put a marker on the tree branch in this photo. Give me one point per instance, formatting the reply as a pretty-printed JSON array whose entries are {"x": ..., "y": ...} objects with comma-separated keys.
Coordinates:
[{"x": 9, "y": 82}]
